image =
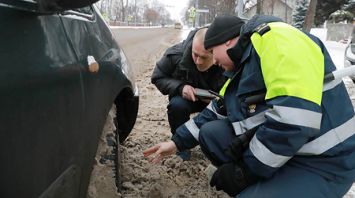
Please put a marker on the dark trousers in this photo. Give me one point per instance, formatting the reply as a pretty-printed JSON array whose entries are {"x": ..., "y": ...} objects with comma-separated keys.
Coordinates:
[
  {"x": 180, "y": 109},
  {"x": 288, "y": 181},
  {"x": 214, "y": 139}
]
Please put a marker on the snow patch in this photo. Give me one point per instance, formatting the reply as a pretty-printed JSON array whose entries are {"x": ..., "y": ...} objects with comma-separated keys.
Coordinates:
[
  {"x": 336, "y": 51},
  {"x": 321, "y": 33}
]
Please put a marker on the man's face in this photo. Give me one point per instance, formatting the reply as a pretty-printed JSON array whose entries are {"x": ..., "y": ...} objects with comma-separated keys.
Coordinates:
[
  {"x": 202, "y": 58},
  {"x": 221, "y": 58}
]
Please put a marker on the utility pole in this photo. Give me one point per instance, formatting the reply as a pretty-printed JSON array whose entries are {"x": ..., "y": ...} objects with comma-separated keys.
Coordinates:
[
  {"x": 258, "y": 7},
  {"x": 197, "y": 20},
  {"x": 286, "y": 11},
  {"x": 135, "y": 12}
]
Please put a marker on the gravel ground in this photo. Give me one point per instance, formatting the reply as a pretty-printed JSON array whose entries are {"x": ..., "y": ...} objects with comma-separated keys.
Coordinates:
[{"x": 172, "y": 178}]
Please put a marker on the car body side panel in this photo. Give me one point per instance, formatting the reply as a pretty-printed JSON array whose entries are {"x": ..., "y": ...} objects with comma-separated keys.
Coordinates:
[
  {"x": 112, "y": 63},
  {"x": 91, "y": 37},
  {"x": 41, "y": 102},
  {"x": 52, "y": 108}
]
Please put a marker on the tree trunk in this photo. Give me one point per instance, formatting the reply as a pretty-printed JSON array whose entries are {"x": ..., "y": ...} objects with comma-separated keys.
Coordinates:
[
  {"x": 258, "y": 6},
  {"x": 272, "y": 6},
  {"x": 122, "y": 11},
  {"x": 309, "y": 20},
  {"x": 135, "y": 12}
]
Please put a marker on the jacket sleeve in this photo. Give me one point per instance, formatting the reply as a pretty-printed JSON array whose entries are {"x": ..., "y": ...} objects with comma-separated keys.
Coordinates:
[
  {"x": 162, "y": 76},
  {"x": 187, "y": 135}
]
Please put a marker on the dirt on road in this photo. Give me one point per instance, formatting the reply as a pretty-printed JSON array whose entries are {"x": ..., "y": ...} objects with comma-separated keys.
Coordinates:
[{"x": 174, "y": 177}]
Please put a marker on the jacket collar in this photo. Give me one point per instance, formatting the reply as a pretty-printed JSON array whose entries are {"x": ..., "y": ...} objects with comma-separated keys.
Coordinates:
[
  {"x": 253, "y": 23},
  {"x": 241, "y": 51}
]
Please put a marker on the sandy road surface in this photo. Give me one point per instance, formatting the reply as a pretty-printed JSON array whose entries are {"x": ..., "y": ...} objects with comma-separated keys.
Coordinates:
[
  {"x": 173, "y": 178},
  {"x": 142, "y": 45}
]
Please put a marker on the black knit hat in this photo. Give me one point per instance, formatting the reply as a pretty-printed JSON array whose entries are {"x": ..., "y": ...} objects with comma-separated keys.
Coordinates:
[{"x": 222, "y": 29}]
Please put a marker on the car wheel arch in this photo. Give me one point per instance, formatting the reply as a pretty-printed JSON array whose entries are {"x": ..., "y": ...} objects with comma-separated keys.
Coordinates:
[{"x": 126, "y": 112}]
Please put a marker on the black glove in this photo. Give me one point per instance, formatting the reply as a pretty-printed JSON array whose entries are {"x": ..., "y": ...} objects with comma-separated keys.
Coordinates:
[
  {"x": 220, "y": 107},
  {"x": 232, "y": 178},
  {"x": 235, "y": 150},
  {"x": 239, "y": 144}
]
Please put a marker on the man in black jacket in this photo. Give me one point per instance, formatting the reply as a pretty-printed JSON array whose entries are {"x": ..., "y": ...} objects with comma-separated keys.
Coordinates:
[{"x": 183, "y": 67}]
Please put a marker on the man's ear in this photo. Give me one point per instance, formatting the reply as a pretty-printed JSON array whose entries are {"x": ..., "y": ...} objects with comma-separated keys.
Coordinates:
[
  {"x": 227, "y": 43},
  {"x": 232, "y": 42}
]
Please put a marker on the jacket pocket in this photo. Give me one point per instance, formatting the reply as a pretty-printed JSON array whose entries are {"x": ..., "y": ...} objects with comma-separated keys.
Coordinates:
[{"x": 253, "y": 103}]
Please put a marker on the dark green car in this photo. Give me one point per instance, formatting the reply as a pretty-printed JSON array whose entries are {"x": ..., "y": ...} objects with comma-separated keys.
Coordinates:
[{"x": 61, "y": 72}]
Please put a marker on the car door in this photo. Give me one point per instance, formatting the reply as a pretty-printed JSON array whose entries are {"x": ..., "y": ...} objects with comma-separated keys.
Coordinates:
[
  {"x": 41, "y": 104},
  {"x": 90, "y": 38}
]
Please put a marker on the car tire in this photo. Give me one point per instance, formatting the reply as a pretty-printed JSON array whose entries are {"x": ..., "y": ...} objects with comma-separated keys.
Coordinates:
[
  {"x": 105, "y": 178},
  {"x": 126, "y": 114},
  {"x": 118, "y": 170}
]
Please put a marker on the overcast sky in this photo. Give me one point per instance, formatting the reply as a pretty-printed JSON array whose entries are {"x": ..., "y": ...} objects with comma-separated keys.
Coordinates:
[{"x": 175, "y": 7}]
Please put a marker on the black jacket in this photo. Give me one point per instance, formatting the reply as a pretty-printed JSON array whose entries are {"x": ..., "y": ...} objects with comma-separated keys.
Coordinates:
[{"x": 177, "y": 68}]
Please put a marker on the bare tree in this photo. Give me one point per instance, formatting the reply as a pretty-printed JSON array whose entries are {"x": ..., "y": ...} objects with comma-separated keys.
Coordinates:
[
  {"x": 227, "y": 6},
  {"x": 135, "y": 12},
  {"x": 126, "y": 11},
  {"x": 123, "y": 9},
  {"x": 151, "y": 16},
  {"x": 272, "y": 6}
]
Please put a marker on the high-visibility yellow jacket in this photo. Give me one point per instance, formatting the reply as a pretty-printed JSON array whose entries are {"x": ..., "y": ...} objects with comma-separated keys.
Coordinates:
[{"x": 300, "y": 121}]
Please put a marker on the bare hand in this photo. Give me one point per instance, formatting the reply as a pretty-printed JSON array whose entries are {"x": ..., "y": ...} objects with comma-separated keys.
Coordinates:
[
  {"x": 188, "y": 92},
  {"x": 160, "y": 151}
]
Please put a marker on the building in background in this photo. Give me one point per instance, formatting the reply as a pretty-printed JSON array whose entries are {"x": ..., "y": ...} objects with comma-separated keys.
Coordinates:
[{"x": 279, "y": 8}]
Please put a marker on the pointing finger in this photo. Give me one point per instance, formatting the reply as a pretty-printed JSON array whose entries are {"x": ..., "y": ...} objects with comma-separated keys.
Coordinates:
[{"x": 151, "y": 150}]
